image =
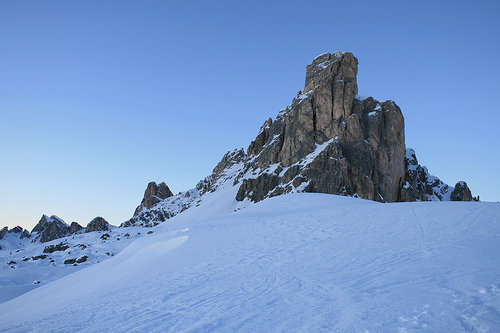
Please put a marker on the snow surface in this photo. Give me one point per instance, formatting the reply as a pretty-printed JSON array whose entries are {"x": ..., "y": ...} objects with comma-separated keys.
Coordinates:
[
  {"x": 18, "y": 278},
  {"x": 293, "y": 263}
]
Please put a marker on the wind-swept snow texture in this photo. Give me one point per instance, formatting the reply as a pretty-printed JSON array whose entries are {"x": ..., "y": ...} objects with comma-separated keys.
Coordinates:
[{"x": 293, "y": 263}]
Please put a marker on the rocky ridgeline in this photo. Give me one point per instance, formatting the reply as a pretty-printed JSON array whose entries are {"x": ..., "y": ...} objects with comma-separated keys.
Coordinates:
[
  {"x": 226, "y": 171},
  {"x": 328, "y": 140},
  {"x": 420, "y": 185},
  {"x": 18, "y": 231},
  {"x": 153, "y": 195},
  {"x": 53, "y": 227}
]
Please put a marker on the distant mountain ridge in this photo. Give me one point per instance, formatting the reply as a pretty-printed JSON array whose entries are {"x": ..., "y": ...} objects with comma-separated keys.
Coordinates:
[{"x": 328, "y": 140}]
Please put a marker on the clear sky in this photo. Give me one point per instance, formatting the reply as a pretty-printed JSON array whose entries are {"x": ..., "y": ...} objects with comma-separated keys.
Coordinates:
[{"x": 97, "y": 98}]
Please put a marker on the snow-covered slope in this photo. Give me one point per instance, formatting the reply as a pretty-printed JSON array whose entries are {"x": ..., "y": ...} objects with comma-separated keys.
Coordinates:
[
  {"x": 297, "y": 262},
  {"x": 26, "y": 265}
]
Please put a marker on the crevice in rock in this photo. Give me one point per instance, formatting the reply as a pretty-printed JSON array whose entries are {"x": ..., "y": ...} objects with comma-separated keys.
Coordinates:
[{"x": 314, "y": 118}]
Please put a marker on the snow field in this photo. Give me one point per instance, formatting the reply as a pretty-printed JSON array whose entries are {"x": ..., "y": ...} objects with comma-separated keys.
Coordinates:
[{"x": 295, "y": 263}]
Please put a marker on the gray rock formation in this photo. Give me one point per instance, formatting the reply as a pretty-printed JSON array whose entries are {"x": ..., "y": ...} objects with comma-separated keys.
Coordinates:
[
  {"x": 50, "y": 228},
  {"x": 3, "y": 232},
  {"x": 56, "y": 247},
  {"x": 225, "y": 171},
  {"x": 328, "y": 141},
  {"x": 154, "y": 193},
  {"x": 74, "y": 227},
  {"x": 461, "y": 192},
  {"x": 420, "y": 185},
  {"x": 18, "y": 231},
  {"x": 97, "y": 224}
]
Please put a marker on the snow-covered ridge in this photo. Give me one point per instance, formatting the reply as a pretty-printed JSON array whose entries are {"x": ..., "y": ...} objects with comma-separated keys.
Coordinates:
[{"x": 296, "y": 262}]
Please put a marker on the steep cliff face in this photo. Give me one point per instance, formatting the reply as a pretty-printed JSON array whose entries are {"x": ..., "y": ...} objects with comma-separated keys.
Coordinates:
[
  {"x": 50, "y": 228},
  {"x": 154, "y": 193},
  {"x": 420, "y": 185},
  {"x": 329, "y": 141},
  {"x": 97, "y": 224}
]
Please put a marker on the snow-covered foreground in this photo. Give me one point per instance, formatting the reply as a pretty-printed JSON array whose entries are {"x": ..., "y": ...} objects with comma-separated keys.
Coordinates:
[{"x": 294, "y": 263}]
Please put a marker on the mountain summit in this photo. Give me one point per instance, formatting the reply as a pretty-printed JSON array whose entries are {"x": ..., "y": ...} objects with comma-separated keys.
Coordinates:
[{"x": 328, "y": 140}]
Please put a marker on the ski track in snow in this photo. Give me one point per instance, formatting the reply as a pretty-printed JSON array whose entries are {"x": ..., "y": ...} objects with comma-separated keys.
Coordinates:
[{"x": 294, "y": 263}]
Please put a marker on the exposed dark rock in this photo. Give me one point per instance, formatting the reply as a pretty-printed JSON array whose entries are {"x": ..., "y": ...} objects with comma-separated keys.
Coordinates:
[
  {"x": 228, "y": 160},
  {"x": 81, "y": 259},
  {"x": 54, "y": 248},
  {"x": 42, "y": 256},
  {"x": 97, "y": 224},
  {"x": 69, "y": 261},
  {"x": 328, "y": 141},
  {"x": 461, "y": 192},
  {"x": 16, "y": 230},
  {"x": 41, "y": 224},
  {"x": 50, "y": 228},
  {"x": 74, "y": 227},
  {"x": 105, "y": 236},
  {"x": 154, "y": 193},
  {"x": 3, "y": 232},
  {"x": 419, "y": 184}
]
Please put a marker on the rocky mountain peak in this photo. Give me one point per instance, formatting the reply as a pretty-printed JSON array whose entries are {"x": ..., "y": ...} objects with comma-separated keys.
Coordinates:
[
  {"x": 461, "y": 192},
  {"x": 339, "y": 70},
  {"x": 3, "y": 232},
  {"x": 154, "y": 193},
  {"x": 50, "y": 228},
  {"x": 74, "y": 227},
  {"x": 18, "y": 231},
  {"x": 228, "y": 160},
  {"x": 328, "y": 140},
  {"x": 97, "y": 224}
]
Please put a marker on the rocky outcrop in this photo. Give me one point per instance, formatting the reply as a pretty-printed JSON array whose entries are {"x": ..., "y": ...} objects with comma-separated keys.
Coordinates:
[
  {"x": 17, "y": 231},
  {"x": 461, "y": 192},
  {"x": 25, "y": 234},
  {"x": 97, "y": 224},
  {"x": 74, "y": 227},
  {"x": 225, "y": 171},
  {"x": 3, "y": 232},
  {"x": 154, "y": 194},
  {"x": 50, "y": 228},
  {"x": 56, "y": 247},
  {"x": 420, "y": 185},
  {"x": 329, "y": 141}
]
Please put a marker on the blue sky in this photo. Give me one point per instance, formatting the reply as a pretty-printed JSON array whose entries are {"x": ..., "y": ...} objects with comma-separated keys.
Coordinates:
[{"x": 97, "y": 98}]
